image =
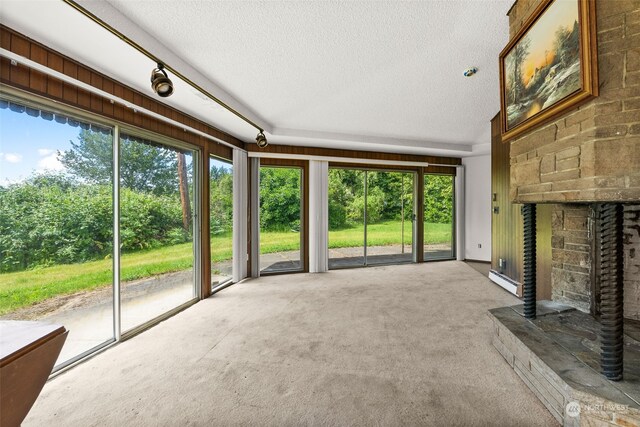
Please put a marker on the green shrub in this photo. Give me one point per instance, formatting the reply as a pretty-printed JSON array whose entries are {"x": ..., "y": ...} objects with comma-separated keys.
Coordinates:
[{"x": 51, "y": 219}]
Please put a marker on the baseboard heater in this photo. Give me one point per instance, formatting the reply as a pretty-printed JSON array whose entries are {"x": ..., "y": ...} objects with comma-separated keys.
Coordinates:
[{"x": 505, "y": 282}]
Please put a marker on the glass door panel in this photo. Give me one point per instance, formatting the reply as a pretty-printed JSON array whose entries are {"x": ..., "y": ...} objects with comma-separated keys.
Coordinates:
[
  {"x": 389, "y": 217},
  {"x": 280, "y": 219},
  {"x": 221, "y": 219},
  {"x": 346, "y": 217},
  {"x": 56, "y": 224},
  {"x": 157, "y": 244},
  {"x": 439, "y": 217}
]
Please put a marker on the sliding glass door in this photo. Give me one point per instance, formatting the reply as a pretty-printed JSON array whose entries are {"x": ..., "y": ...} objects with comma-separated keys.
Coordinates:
[
  {"x": 280, "y": 219},
  {"x": 371, "y": 216},
  {"x": 346, "y": 217},
  {"x": 80, "y": 247},
  {"x": 156, "y": 234},
  {"x": 439, "y": 226},
  {"x": 389, "y": 217},
  {"x": 56, "y": 224}
]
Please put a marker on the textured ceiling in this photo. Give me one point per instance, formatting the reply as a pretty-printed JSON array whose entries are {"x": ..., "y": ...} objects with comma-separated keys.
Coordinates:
[{"x": 349, "y": 74}]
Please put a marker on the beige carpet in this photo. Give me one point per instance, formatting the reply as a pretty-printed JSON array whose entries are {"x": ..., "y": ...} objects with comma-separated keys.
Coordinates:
[{"x": 400, "y": 345}]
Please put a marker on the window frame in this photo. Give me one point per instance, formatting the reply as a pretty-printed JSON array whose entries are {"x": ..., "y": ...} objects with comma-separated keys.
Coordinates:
[{"x": 29, "y": 99}]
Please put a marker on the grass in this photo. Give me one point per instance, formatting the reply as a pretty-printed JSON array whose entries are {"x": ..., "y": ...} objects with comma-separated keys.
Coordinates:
[{"x": 23, "y": 288}]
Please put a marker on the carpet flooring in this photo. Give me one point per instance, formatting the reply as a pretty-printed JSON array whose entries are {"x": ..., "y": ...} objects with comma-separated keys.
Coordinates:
[{"x": 393, "y": 345}]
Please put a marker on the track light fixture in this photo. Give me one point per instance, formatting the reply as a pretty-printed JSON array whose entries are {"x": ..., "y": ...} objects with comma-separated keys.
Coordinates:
[
  {"x": 261, "y": 140},
  {"x": 160, "y": 82}
]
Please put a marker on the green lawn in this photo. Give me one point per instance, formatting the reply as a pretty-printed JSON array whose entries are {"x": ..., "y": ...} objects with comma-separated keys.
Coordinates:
[{"x": 23, "y": 288}]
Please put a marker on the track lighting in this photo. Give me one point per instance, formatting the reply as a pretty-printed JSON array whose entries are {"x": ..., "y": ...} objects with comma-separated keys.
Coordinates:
[
  {"x": 160, "y": 82},
  {"x": 261, "y": 140}
]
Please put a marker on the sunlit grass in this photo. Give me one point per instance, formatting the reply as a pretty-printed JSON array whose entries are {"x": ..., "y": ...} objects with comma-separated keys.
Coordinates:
[{"x": 28, "y": 287}]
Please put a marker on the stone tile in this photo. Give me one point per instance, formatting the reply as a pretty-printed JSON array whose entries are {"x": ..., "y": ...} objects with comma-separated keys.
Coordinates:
[
  {"x": 566, "y": 343},
  {"x": 503, "y": 350},
  {"x": 538, "y": 390},
  {"x": 544, "y": 308}
]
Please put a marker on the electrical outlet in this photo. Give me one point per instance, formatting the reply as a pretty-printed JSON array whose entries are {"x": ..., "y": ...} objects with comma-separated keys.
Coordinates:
[{"x": 479, "y": 245}]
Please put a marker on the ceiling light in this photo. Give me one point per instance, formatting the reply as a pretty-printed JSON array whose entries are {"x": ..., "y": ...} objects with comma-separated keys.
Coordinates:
[
  {"x": 261, "y": 140},
  {"x": 470, "y": 71},
  {"x": 160, "y": 82}
]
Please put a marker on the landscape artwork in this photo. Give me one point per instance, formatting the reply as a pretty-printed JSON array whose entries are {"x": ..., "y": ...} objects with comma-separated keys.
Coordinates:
[{"x": 543, "y": 67}]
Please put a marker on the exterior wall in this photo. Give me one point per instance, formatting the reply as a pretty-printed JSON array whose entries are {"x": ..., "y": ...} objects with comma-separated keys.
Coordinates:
[
  {"x": 571, "y": 255},
  {"x": 478, "y": 207},
  {"x": 632, "y": 262},
  {"x": 592, "y": 153}
]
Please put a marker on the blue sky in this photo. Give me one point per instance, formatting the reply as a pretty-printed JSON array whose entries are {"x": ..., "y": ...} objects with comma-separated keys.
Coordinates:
[
  {"x": 29, "y": 144},
  {"x": 218, "y": 163}
]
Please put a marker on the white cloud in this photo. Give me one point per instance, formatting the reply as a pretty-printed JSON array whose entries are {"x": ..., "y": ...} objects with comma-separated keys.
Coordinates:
[
  {"x": 13, "y": 158},
  {"x": 44, "y": 151},
  {"x": 50, "y": 163}
]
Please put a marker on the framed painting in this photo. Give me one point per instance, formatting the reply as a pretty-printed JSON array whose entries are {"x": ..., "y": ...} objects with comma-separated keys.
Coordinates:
[{"x": 550, "y": 66}]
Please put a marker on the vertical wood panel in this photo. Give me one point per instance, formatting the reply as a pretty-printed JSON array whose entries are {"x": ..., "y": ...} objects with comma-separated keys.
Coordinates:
[
  {"x": 118, "y": 111},
  {"x": 96, "y": 101},
  {"x": 54, "y": 86},
  {"x": 69, "y": 92},
  {"x": 20, "y": 73},
  {"x": 506, "y": 224},
  {"x": 40, "y": 84},
  {"x": 5, "y": 40},
  {"x": 38, "y": 81},
  {"x": 5, "y": 69},
  {"x": 390, "y": 157}
]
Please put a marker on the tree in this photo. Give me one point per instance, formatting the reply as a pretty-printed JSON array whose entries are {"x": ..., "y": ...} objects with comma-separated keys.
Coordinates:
[
  {"x": 144, "y": 166},
  {"x": 514, "y": 67},
  {"x": 438, "y": 194},
  {"x": 184, "y": 192},
  {"x": 221, "y": 199},
  {"x": 279, "y": 198}
]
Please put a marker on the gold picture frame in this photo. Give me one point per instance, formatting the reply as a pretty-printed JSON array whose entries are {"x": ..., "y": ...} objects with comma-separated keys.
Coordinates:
[{"x": 549, "y": 67}]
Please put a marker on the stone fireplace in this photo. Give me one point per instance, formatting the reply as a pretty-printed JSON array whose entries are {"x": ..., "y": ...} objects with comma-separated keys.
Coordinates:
[
  {"x": 579, "y": 162},
  {"x": 588, "y": 156},
  {"x": 575, "y": 281}
]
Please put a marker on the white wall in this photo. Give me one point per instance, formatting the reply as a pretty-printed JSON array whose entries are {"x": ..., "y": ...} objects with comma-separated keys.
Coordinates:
[{"x": 477, "y": 207}]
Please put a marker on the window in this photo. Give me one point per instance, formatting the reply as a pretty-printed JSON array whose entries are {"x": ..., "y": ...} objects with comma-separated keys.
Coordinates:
[
  {"x": 56, "y": 224},
  {"x": 439, "y": 217},
  {"x": 78, "y": 247},
  {"x": 280, "y": 219},
  {"x": 156, "y": 229},
  {"x": 221, "y": 219},
  {"x": 371, "y": 216}
]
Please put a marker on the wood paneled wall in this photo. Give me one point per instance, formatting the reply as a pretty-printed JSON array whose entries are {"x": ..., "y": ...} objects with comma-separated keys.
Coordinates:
[
  {"x": 507, "y": 226},
  {"x": 506, "y": 222},
  {"x": 37, "y": 83},
  {"x": 369, "y": 155}
]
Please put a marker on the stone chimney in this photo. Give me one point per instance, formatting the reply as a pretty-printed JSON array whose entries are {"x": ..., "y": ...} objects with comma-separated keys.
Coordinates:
[{"x": 587, "y": 156}]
